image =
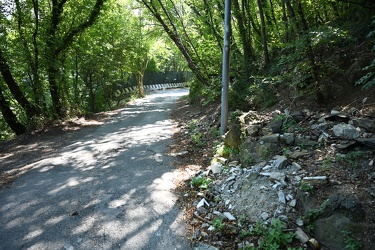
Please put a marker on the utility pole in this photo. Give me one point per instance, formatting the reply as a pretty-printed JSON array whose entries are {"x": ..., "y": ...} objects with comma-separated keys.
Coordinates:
[{"x": 225, "y": 74}]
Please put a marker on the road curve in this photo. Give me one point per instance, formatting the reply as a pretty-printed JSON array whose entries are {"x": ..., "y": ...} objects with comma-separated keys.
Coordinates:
[{"x": 106, "y": 189}]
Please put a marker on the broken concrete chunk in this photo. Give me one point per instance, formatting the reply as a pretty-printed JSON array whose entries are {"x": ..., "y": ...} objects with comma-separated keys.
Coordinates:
[
  {"x": 301, "y": 236},
  {"x": 229, "y": 216},
  {"x": 316, "y": 180},
  {"x": 202, "y": 203}
]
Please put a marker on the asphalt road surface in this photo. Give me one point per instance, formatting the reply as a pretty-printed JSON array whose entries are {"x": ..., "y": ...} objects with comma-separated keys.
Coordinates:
[{"x": 109, "y": 188}]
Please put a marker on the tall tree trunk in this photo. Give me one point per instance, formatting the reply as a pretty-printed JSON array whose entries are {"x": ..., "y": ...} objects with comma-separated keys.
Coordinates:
[
  {"x": 247, "y": 45},
  {"x": 285, "y": 21},
  {"x": 264, "y": 34},
  {"x": 30, "y": 109},
  {"x": 9, "y": 117},
  {"x": 141, "y": 90}
]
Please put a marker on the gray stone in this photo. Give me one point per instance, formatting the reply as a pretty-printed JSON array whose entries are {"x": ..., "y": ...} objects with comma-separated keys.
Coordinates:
[
  {"x": 68, "y": 247},
  {"x": 277, "y": 176},
  {"x": 350, "y": 206},
  {"x": 276, "y": 126},
  {"x": 298, "y": 154},
  {"x": 281, "y": 196},
  {"x": 287, "y": 138},
  {"x": 345, "y": 131},
  {"x": 281, "y": 162},
  {"x": 296, "y": 166},
  {"x": 264, "y": 216},
  {"x": 202, "y": 203},
  {"x": 253, "y": 130},
  {"x": 216, "y": 168},
  {"x": 272, "y": 138},
  {"x": 233, "y": 137},
  {"x": 253, "y": 151},
  {"x": 305, "y": 142},
  {"x": 202, "y": 246},
  {"x": 367, "y": 124},
  {"x": 202, "y": 210},
  {"x": 329, "y": 230},
  {"x": 219, "y": 214}
]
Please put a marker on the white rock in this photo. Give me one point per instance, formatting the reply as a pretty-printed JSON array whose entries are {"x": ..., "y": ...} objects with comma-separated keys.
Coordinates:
[
  {"x": 216, "y": 168},
  {"x": 281, "y": 196},
  {"x": 277, "y": 176},
  {"x": 293, "y": 203},
  {"x": 289, "y": 197},
  {"x": 264, "y": 216},
  {"x": 316, "y": 180},
  {"x": 229, "y": 216},
  {"x": 68, "y": 247},
  {"x": 182, "y": 153},
  {"x": 299, "y": 222},
  {"x": 296, "y": 166},
  {"x": 202, "y": 202}
]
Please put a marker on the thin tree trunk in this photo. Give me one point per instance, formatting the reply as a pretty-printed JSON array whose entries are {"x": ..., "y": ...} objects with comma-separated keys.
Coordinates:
[
  {"x": 30, "y": 109},
  {"x": 9, "y": 117},
  {"x": 264, "y": 34}
]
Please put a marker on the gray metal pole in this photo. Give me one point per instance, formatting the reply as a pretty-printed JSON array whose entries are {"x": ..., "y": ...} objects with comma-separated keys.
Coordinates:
[{"x": 226, "y": 60}]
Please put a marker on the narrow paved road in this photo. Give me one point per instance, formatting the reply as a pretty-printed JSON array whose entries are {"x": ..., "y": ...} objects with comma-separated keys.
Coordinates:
[{"x": 107, "y": 189}]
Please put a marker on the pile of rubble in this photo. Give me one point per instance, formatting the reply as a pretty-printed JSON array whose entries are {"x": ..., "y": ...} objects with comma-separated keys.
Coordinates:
[{"x": 277, "y": 164}]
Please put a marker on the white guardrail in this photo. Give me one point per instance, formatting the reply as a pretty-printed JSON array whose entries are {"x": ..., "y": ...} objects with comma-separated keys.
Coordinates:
[{"x": 158, "y": 86}]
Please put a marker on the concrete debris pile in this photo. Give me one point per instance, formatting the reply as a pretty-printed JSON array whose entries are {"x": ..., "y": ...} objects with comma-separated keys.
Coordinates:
[{"x": 274, "y": 166}]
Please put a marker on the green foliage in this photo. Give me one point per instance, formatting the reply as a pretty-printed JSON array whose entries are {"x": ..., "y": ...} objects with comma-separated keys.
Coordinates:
[
  {"x": 202, "y": 94},
  {"x": 218, "y": 224},
  {"x": 368, "y": 80},
  {"x": 253, "y": 93},
  {"x": 306, "y": 187},
  {"x": 224, "y": 150},
  {"x": 327, "y": 162},
  {"x": 311, "y": 215},
  {"x": 195, "y": 135},
  {"x": 272, "y": 237},
  {"x": 350, "y": 242},
  {"x": 353, "y": 158},
  {"x": 201, "y": 182},
  {"x": 197, "y": 138}
]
